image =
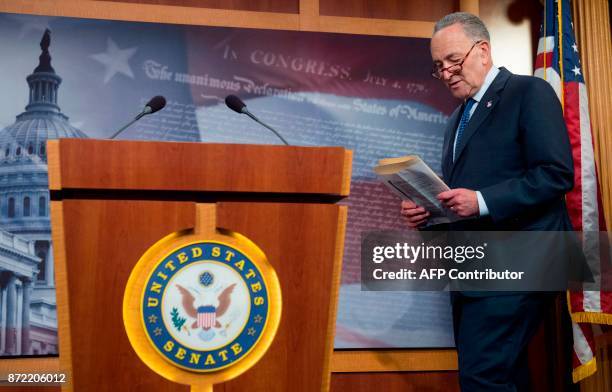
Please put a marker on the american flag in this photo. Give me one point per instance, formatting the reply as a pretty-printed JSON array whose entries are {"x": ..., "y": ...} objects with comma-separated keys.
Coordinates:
[
  {"x": 558, "y": 63},
  {"x": 206, "y": 317}
]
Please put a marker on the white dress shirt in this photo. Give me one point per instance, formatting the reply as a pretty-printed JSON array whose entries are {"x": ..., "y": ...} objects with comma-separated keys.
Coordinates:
[{"x": 482, "y": 205}]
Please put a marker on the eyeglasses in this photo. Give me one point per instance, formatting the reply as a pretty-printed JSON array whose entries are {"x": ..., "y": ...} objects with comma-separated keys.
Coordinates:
[{"x": 454, "y": 69}]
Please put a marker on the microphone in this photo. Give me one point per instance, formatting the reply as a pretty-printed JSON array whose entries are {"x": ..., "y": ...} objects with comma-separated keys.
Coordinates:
[
  {"x": 236, "y": 104},
  {"x": 155, "y": 104}
]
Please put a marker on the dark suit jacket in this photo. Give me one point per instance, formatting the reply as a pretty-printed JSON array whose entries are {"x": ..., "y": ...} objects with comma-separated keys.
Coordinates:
[{"x": 515, "y": 150}]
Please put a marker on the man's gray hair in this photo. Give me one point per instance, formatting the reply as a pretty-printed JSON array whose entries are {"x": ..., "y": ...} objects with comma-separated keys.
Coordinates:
[{"x": 472, "y": 25}]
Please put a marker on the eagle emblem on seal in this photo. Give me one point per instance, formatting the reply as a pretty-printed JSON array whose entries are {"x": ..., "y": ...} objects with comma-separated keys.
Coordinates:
[{"x": 206, "y": 315}]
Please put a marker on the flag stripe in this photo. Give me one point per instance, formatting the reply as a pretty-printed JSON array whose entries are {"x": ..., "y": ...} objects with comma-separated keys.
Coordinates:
[
  {"x": 548, "y": 56},
  {"x": 572, "y": 121},
  {"x": 590, "y": 207},
  {"x": 546, "y": 44},
  {"x": 584, "y": 353},
  {"x": 583, "y": 359}
]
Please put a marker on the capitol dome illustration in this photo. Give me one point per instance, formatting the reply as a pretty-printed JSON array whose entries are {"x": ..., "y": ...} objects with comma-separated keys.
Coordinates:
[{"x": 28, "y": 315}]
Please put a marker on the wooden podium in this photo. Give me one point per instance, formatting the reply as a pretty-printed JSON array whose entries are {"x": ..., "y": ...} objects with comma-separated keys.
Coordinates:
[{"x": 111, "y": 200}]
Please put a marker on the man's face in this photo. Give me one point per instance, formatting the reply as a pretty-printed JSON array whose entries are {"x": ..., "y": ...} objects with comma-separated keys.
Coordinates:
[{"x": 449, "y": 46}]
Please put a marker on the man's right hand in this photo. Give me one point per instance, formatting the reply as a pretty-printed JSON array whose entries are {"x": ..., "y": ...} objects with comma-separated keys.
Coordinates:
[{"x": 415, "y": 215}]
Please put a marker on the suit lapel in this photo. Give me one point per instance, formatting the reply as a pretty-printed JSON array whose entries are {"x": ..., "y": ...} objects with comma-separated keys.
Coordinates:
[
  {"x": 449, "y": 136},
  {"x": 483, "y": 110}
]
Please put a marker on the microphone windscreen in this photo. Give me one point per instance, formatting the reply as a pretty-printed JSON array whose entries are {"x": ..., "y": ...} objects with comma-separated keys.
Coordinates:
[
  {"x": 156, "y": 103},
  {"x": 234, "y": 103}
]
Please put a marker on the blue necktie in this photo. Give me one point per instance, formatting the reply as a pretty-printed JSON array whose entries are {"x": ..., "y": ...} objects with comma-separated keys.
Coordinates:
[{"x": 465, "y": 118}]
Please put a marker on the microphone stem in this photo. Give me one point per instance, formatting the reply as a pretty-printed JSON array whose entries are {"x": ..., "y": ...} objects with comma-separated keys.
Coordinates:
[
  {"x": 265, "y": 125},
  {"x": 125, "y": 127}
]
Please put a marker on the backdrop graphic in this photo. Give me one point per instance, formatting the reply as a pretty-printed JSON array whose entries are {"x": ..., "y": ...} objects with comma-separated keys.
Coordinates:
[{"x": 371, "y": 94}]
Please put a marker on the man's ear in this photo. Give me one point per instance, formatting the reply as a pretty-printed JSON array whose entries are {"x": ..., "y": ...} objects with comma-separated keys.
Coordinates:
[{"x": 485, "y": 52}]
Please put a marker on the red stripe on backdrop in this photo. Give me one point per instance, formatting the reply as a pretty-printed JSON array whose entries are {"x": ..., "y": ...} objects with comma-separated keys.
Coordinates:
[
  {"x": 539, "y": 63},
  {"x": 349, "y": 336},
  {"x": 572, "y": 120}
]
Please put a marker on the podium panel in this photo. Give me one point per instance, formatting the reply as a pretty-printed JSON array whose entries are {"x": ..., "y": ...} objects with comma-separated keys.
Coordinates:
[{"x": 100, "y": 233}]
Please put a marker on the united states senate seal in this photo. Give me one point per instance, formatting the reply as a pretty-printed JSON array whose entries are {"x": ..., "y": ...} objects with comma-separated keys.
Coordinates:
[{"x": 207, "y": 305}]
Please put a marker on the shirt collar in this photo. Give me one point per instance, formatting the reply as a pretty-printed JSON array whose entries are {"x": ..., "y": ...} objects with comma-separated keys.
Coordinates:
[{"x": 487, "y": 82}]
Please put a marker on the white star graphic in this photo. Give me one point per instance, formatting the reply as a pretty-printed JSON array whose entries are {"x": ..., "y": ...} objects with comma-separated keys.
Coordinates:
[
  {"x": 576, "y": 70},
  {"x": 115, "y": 60},
  {"x": 575, "y": 47}
]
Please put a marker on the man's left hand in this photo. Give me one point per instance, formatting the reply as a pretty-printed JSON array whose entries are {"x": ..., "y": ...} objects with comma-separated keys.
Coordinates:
[{"x": 461, "y": 201}]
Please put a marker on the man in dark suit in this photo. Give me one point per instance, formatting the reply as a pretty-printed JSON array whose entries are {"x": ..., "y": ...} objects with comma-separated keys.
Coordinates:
[{"x": 507, "y": 159}]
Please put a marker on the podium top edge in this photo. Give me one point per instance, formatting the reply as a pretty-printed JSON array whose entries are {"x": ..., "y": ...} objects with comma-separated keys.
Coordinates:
[
  {"x": 63, "y": 141},
  {"x": 198, "y": 167}
]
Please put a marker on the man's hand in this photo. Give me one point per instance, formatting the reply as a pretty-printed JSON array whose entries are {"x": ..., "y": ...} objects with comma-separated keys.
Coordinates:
[
  {"x": 461, "y": 201},
  {"x": 415, "y": 215}
]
